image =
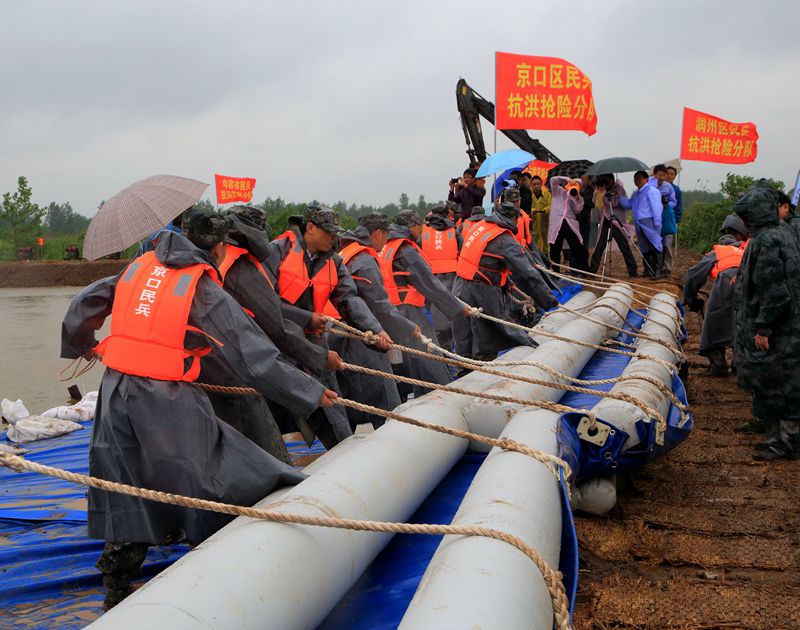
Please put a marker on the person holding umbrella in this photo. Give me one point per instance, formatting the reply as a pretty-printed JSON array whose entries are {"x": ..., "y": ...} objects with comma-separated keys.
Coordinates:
[{"x": 154, "y": 428}]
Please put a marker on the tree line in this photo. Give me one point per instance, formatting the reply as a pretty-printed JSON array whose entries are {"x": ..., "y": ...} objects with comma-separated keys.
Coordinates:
[{"x": 22, "y": 221}]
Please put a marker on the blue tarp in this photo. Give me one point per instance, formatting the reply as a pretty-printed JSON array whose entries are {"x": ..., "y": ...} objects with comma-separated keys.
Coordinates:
[{"x": 47, "y": 574}]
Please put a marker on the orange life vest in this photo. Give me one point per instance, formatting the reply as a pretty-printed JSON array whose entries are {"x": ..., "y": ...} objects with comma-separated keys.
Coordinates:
[
  {"x": 351, "y": 250},
  {"x": 469, "y": 262},
  {"x": 293, "y": 278},
  {"x": 232, "y": 254},
  {"x": 149, "y": 320},
  {"x": 441, "y": 248},
  {"x": 523, "y": 234},
  {"x": 409, "y": 294},
  {"x": 728, "y": 256}
]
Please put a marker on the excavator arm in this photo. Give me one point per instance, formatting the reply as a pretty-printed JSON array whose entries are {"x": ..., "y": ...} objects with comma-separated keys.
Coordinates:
[{"x": 471, "y": 106}]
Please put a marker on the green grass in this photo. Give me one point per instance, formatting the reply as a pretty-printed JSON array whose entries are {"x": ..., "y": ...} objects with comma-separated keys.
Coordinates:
[{"x": 53, "y": 246}]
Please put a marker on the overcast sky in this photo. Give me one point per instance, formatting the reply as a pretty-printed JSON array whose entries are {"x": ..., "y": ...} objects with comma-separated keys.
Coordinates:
[{"x": 355, "y": 101}]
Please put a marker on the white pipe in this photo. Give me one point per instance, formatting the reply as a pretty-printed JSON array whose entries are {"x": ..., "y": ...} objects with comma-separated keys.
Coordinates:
[
  {"x": 476, "y": 582},
  {"x": 483, "y": 583},
  {"x": 556, "y": 320},
  {"x": 289, "y": 576},
  {"x": 489, "y": 417},
  {"x": 625, "y": 415},
  {"x": 598, "y": 496}
]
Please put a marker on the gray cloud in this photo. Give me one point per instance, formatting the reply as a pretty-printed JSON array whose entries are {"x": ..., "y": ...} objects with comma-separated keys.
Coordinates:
[{"x": 355, "y": 101}]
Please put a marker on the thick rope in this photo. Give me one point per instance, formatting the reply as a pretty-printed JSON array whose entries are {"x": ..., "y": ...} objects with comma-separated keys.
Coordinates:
[
  {"x": 633, "y": 333},
  {"x": 77, "y": 371},
  {"x": 609, "y": 287},
  {"x": 552, "y": 578},
  {"x": 641, "y": 288},
  {"x": 663, "y": 387},
  {"x": 551, "y": 461},
  {"x": 476, "y": 312},
  {"x": 525, "y": 402},
  {"x": 371, "y": 339}
]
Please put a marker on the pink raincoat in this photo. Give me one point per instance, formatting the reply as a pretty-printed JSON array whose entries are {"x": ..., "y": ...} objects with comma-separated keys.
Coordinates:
[{"x": 564, "y": 208}]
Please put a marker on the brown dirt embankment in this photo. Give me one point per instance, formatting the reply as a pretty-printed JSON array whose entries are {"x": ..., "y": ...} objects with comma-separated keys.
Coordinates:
[
  {"x": 703, "y": 538},
  {"x": 56, "y": 273}
]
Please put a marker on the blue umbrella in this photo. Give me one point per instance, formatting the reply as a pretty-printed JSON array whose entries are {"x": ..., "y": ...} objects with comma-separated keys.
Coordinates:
[{"x": 503, "y": 160}]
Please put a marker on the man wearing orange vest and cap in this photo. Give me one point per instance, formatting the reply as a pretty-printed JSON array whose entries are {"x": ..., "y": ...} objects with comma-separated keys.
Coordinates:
[
  {"x": 314, "y": 283},
  {"x": 359, "y": 251},
  {"x": 410, "y": 281},
  {"x": 244, "y": 278},
  {"x": 154, "y": 428},
  {"x": 441, "y": 243},
  {"x": 491, "y": 253},
  {"x": 721, "y": 264}
]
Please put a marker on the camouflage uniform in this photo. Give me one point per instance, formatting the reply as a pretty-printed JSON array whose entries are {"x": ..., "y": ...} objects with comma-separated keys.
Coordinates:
[{"x": 767, "y": 302}]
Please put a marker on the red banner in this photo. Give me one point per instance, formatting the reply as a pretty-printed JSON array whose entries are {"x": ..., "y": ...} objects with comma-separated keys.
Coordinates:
[
  {"x": 542, "y": 93},
  {"x": 710, "y": 139},
  {"x": 231, "y": 189},
  {"x": 540, "y": 168}
]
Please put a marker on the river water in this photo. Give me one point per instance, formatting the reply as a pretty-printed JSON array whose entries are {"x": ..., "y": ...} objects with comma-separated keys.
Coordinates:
[{"x": 30, "y": 344}]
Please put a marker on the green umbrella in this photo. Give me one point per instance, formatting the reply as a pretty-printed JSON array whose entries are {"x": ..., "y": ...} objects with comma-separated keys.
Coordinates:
[{"x": 616, "y": 165}]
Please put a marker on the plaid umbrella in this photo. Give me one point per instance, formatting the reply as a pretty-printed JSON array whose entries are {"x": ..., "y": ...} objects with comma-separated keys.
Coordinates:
[
  {"x": 570, "y": 168},
  {"x": 138, "y": 211}
]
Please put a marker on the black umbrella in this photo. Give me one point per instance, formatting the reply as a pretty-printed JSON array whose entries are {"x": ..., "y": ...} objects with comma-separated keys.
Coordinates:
[
  {"x": 616, "y": 165},
  {"x": 570, "y": 168}
]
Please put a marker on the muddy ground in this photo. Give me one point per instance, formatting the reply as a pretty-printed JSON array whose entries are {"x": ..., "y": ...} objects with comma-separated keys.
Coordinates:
[
  {"x": 56, "y": 273},
  {"x": 704, "y": 538}
]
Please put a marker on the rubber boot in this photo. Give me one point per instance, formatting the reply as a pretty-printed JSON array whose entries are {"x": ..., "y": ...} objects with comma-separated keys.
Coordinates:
[
  {"x": 752, "y": 427},
  {"x": 717, "y": 365},
  {"x": 120, "y": 564},
  {"x": 658, "y": 259},
  {"x": 648, "y": 264}
]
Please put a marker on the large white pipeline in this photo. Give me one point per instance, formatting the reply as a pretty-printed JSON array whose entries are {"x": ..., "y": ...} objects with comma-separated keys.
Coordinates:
[
  {"x": 483, "y": 583},
  {"x": 661, "y": 325},
  {"x": 253, "y": 573},
  {"x": 556, "y": 320},
  {"x": 599, "y": 495},
  {"x": 489, "y": 417},
  {"x": 476, "y": 582}
]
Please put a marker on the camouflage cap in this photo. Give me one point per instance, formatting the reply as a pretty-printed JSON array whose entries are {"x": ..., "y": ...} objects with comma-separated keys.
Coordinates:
[
  {"x": 205, "y": 228},
  {"x": 441, "y": 209},
  {"x": 511, "y": 194},
  {"x": 508, "y": 210},
  {"x": 374, "y": 221},
  {"x": 323, "y": 217},
  {"x": 478, "y": 210},
  {"x": 408, "y": 218},
  {"x": 251, "y": 214}
]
